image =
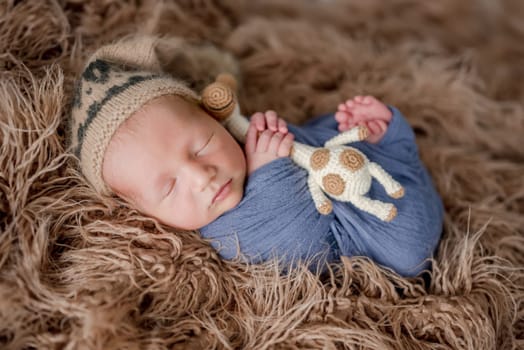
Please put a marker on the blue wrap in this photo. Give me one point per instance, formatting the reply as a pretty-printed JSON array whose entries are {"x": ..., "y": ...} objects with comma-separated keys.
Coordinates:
[{"x": 277, "y": 217}]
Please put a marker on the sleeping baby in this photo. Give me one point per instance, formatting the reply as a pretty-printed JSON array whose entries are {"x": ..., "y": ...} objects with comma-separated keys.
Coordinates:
[{"x": 144, "y": 136}]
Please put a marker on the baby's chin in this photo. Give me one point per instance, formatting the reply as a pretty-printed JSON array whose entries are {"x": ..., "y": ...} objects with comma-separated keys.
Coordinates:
[
  {"x": 229, "y": 203},
  {"x": 206, "y": 217}
]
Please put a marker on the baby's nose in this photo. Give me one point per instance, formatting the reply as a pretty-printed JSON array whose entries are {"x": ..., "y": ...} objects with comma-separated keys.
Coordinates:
[{"x": 202, "y": 174}]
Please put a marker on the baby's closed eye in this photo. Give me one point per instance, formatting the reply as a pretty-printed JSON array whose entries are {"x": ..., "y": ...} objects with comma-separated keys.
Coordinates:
[
  {"x": 203, "y": 147},
  {"x": 168, "y": 188}
]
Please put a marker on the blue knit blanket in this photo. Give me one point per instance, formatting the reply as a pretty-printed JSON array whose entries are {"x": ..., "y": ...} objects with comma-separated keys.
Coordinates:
[{"x": 277, "y": 217}]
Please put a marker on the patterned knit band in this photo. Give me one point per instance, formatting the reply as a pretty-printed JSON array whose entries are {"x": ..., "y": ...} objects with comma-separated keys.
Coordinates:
[{"x": 118, "y": 80}]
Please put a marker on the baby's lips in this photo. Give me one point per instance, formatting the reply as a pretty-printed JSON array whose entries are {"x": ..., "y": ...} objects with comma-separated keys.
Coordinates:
[{"x": 222, "y": 192}]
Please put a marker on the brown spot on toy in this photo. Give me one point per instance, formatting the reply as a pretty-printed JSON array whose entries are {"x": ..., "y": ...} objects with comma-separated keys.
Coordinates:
[
  {"x": 398, "y": 194},
  {"x": 363, "y": 133},
  {"x": 392, "y": 214},
  {"x": 319, "y": 159},
  {"x": 351, "y": 159},
  {"x": 325, "y": 208},
  {"x": 333, "y": 184},
  {"x": 219, "y": 100}
]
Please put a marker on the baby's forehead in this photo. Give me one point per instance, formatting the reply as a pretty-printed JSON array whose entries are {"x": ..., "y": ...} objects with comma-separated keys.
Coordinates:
[
  {"x": 163, "y": 118},
  {"x": 139, "y": 119}
]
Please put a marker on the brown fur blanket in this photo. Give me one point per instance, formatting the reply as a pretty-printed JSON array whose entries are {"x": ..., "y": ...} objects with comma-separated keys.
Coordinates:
[{"x": 81, "y": 271}]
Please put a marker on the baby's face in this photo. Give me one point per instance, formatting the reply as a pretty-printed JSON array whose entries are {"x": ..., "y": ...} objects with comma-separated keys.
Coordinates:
[{"x": 174, "y": 162}]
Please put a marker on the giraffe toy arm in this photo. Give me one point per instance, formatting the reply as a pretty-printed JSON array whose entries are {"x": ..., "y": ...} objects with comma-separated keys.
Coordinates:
[{"x": 358, "y": 133}]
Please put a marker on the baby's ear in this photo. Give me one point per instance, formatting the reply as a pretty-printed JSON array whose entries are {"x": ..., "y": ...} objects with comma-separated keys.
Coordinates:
[{"x": 228, "y": 80}]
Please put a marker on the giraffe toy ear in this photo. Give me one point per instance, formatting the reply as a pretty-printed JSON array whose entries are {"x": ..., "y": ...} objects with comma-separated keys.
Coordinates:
[
  {"x": 218, "y": 98},
  {"x": 229, "y": 80}
]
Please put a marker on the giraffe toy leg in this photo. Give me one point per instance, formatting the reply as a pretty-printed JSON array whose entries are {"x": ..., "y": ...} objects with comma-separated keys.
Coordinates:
[
  {"x": 392, "y": 187},
  {"x": 322, "y": 203},
  {"x": 383, "y": 211}
]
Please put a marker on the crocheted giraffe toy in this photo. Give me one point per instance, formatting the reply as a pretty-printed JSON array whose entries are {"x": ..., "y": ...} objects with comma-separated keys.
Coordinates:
[{"x": 342, "y": 172}]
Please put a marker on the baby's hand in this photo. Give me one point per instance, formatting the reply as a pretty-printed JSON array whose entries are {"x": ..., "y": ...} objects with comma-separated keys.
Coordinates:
[
  {"x": 267, "y": 139},
  {"x": 367, "y": 111}
]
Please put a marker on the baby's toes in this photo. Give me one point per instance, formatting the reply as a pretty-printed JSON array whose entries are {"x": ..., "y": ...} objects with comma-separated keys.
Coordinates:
[
  {"x": 342, "y": 117},
  {"x": 344, "y": 127},
  {"x": 359, "y": 113},
  {"x": 367, "y": 100},
  {"x": 344, "y": 120},
  {"x": 350, "y": 104}
]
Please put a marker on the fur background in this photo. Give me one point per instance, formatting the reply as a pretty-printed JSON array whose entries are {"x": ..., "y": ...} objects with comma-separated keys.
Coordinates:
[{"x": 81, "y": 271}]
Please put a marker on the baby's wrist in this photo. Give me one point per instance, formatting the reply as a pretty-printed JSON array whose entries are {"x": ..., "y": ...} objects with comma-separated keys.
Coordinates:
[{"x": 257, "y": 161}]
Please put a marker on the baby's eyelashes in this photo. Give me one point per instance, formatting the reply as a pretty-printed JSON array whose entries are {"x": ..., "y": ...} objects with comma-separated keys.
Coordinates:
[
  {"x": 169, "y": 187},
  {"x": 204, "y": 146}
]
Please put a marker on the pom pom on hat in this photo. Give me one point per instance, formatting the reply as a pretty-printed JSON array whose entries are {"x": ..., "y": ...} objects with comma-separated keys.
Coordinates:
[{"x": 117, "y": 81}]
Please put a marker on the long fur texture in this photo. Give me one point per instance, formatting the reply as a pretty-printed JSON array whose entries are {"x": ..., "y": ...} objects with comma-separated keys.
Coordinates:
[{"x": 81, "y": 271}]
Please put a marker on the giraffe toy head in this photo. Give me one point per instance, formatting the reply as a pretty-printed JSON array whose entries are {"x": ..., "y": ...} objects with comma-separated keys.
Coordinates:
[{"x": 218, "y": 98}]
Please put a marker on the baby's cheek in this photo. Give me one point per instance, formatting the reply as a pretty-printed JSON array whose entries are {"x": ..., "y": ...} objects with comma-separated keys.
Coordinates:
[{"x": 185, "y": 217}]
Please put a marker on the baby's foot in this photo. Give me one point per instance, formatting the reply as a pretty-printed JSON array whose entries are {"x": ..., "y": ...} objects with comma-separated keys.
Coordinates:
[{"x": 367, "y": 111}]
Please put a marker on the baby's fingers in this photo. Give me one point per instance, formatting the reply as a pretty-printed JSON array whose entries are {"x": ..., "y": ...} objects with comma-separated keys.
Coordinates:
[
  {"x": 280, "y": 144},
  {"x": 282, "y": 126},
  {"x": 272, "y": 120},
  {"x": 284, "y": 148},
  {"x": 259, "y": 121},
  {"x": 342, "y": 117},
  {"x": 274, "y": 143},
  {"x": 251, "y": 139},
  {"x": 264, "y": 140}
]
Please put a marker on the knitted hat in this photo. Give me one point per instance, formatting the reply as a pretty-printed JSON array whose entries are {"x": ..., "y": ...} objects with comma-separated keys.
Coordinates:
[{"x": 117, "y": 81}]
